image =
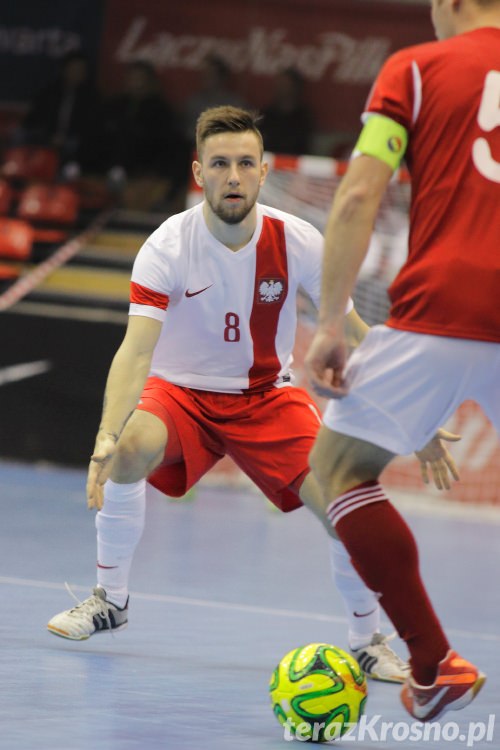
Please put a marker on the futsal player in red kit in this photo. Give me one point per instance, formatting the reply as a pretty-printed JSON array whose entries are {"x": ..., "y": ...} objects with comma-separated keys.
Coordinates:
[
  {"x": 438, "y": 105},
  {"x": 204, "y": 371}
]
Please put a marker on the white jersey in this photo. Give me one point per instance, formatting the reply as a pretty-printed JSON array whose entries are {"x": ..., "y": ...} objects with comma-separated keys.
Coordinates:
[{"x": 229, "y": 318}]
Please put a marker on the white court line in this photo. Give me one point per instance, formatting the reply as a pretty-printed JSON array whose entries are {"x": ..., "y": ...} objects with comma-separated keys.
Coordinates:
[{"x": 228, "y": 606}]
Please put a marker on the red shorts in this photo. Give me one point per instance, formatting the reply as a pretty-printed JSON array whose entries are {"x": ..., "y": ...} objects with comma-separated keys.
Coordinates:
[{"x": 268, "y": 435}]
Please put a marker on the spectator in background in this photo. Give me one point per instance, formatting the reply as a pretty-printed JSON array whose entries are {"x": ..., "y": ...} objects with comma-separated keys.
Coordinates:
[
  {"x": 215, "y": 90},
  {"x": 65, "y": 113},
  {"x": 141, "y": 131},
  {"x": 287, "y": 123}
]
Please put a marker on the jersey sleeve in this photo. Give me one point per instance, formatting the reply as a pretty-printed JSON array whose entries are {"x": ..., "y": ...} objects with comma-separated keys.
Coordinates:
[
  {"x": 393, "y": 93},
  {"x": 152, "y": 280}
]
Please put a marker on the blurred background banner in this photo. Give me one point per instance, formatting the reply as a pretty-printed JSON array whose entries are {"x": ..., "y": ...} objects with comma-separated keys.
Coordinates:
[
  {"x": 34, "y": 36},
  {"x": 337, "y": 46}
]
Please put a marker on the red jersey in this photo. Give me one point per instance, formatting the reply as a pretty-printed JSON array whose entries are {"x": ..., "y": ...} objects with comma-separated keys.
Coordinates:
[{"x": 447, "y": 95}]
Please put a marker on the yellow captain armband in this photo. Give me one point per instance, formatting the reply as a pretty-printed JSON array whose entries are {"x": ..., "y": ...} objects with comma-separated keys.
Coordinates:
[{"x": 383, "y": 138}]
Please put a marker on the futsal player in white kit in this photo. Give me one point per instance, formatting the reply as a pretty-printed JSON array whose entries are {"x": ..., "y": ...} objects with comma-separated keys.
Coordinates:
[{"x": 204, "y": 371}]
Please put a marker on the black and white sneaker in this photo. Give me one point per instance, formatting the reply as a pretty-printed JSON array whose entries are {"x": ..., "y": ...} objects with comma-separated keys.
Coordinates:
[
  {"x": 94, "y": 615},
  {"x": 380, "y": 662}
]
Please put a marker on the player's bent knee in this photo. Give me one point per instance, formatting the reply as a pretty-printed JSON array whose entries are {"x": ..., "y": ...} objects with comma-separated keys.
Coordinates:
[
  {"x": 341, "y": 462},
  {"x": 130, "y": 462},
  {"x": 140, "y": 448}
]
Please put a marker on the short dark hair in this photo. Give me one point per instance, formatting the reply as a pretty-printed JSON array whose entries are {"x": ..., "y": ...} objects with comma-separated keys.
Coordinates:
[{"x": 226, "y": 119}]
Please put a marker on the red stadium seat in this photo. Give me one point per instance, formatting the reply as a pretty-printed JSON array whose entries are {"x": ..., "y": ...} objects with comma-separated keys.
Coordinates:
[
  {"x": 26, "y": 163},
  {"x": 16, "y": 239},
  {"x": 51, "y": 209}
]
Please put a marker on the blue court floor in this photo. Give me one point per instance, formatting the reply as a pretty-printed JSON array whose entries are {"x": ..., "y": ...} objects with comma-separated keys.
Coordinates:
[{"x": 222, "y": 587}]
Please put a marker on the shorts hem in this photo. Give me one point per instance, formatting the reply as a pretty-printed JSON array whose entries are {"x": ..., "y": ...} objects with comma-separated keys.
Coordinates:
[{"x": 355, "y": 431}]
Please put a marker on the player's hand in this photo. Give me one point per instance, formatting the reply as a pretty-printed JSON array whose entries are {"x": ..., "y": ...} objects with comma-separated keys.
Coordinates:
[
  {"x": 99, "y": 469},
  {"x": 435, "y": 456},
  {"x": 325, "y": 362}
]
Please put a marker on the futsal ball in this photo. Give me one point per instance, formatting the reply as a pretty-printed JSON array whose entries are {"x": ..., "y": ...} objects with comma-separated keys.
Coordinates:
[{"x": 318, "y": 692}]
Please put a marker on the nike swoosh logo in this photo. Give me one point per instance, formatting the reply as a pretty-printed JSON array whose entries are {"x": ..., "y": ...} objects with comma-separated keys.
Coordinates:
[
  {"x": 420, "y": 712},
  {"x": 14, "y": 373},
  {"x": 106, "y": 567},
  {"x": 365, "y": 614},
  {"x": 193, "y": 294}
]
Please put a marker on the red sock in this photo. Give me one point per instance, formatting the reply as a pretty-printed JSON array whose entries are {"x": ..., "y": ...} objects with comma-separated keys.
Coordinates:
[{"x": 385, "y": 554}]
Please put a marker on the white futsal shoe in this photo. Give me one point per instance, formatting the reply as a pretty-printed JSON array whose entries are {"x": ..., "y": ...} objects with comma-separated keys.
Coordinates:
[
  {"x": 380, "y": 662},
  {"x": 94, "y": 615}
]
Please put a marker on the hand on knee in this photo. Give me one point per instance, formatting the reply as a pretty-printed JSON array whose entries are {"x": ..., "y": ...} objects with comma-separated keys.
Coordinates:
[{"x": 140, "y": 449}]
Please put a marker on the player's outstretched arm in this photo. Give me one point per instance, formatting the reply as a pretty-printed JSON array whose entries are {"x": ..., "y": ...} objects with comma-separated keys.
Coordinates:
[
  {"x": 436, "y": 459},
  {"x": 126, "y": 378}
]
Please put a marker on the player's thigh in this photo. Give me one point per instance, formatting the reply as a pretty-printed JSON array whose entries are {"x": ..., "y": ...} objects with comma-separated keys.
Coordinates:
[
  {"x": 271, "y": 444},
  {"x": 284, "y": 432},
  {"x": 192, "y": 446},
  {"x": 340, "y": 462},
  {"x": 142, "y": 443}
]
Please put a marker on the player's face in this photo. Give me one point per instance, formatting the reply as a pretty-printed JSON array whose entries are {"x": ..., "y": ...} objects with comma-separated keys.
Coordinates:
[
  {"x": 231, "y": 172},
  {"x": 442, "y": 18}
]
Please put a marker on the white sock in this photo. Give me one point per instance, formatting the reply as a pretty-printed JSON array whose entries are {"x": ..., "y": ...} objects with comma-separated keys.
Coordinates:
[
  {"x": 119, "y": 527},
  {"x": 361, "y": 604}
]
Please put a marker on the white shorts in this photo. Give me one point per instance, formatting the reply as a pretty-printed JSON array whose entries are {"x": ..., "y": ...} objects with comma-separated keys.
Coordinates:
[{"x": 404, "y": 386}]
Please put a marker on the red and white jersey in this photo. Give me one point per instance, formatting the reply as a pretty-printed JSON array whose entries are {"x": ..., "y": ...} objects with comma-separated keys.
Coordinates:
[
  {"x": 229, "y": 318},
  {"x": 447, "y": 95}
]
